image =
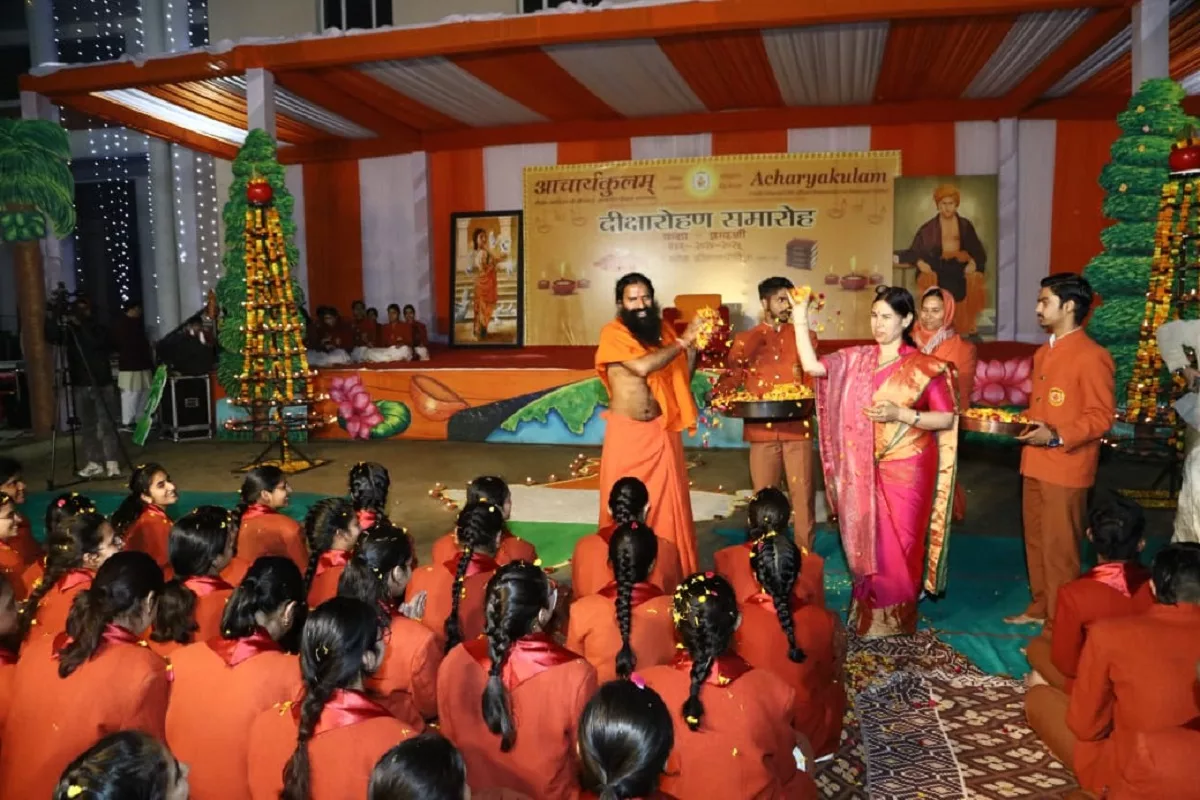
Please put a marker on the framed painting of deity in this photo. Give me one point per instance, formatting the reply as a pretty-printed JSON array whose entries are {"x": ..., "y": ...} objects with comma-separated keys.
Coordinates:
[{"x": 487, "y": 284}]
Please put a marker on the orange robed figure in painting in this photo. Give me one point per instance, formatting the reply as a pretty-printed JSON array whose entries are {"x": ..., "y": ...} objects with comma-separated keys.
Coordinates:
[
  {"x": 647, "y": 371},
  {"x": 486, "y": 284},
  {"x": 950, "y": 254}
]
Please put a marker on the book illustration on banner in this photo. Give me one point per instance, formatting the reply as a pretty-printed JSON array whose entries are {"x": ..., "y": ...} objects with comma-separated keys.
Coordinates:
[
  {"x": 487, "y": 282},
  {"x": 802, "y": 254}
]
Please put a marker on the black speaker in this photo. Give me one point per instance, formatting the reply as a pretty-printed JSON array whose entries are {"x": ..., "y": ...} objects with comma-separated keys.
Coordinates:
[
  {"x": 14, "y": 396},
  {"x": 187, "y": 407}
]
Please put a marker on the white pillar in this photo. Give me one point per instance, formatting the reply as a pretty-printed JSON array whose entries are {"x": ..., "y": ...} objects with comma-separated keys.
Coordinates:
[
  {"x": 260, "y": 100},
  {"x": 187, "y": 249},
  {"x": 1151, "y": 40},
  {"x": 1009, "y": 304},
  {"x": 165, "y": 265},
  {"x": 39, "y": 18},
  {"x": 145, "y": 228}
]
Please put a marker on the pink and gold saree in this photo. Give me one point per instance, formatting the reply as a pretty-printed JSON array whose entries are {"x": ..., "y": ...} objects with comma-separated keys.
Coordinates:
[{"x": 889, "y": 485}]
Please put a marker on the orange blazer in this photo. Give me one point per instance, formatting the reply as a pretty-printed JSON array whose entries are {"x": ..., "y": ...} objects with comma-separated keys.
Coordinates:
[
  {"x": 745, "y": 744},
  {"x": 1109, "y": 590},
  {"x": 51, "y": 617},
  {"x": 406, "y": 681},
  {"x": 149, "y": 533},
  {"x": 512, "y": 548},
  {"x": 734, "y": 564},
  {"x": 52, "y": 720},
  {"x": 594, "y": 634},
  {"x": 437, "y": 581},
  {"x": 1137, "y": 675},
  {"x": 212, "y": 593},
  {"x": 817, "y": 681},
  {"x": 1163, "y": 765},
  {"x": 235, "y": 570},
  {"x": 24, "y": 543},
  {"x": 220, "y": 688},
  {"x": 591, "y": 572},
  {"x": 13, "y": 565},
  {"x": 8, "y": 674},
  {"x": 395, "y": 334},
  {"x": 266, "y": 532},
  {"x": 548, "y": 687},
  {"x": 330, "y": 566},
  {"x": 759, "y": 359},
  {"x": 352, "y": 734}
]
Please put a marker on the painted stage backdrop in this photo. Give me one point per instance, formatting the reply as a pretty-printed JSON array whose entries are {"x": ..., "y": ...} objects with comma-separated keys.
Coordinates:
[
  {"x": 707, "y": 226},
  {"x": 946, "y": 229}
]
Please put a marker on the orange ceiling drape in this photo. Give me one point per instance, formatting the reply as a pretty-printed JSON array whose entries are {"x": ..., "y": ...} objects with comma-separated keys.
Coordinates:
[
  {"x": 725, "y": 70},
  {"x": 931, "y": 59},
  {"x": 594, "y": 151},
  {"x": 455, "y": 184},
  {"x": 333, "y": 233},
  {"x": 926, "y": 148},
  {"x": 733, "y": 143},
  {"x": 1080, "y": 152}
]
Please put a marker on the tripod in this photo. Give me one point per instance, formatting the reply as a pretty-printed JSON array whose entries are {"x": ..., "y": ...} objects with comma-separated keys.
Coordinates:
[{"x": 67, "y": 337}]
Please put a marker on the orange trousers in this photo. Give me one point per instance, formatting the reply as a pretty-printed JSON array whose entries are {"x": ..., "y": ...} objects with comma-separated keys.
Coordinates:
[
  {"x": 770, "y": 461},
  {"x": 1037, "y": 653},
  {"x": 1046, "y": 710},
  {"x": 1055, "y": 519}
]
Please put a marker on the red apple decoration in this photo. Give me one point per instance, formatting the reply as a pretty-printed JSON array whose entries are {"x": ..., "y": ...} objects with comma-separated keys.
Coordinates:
[
  {"x": 259, "y": 192},
  {"x": 1185, "y": 155}
]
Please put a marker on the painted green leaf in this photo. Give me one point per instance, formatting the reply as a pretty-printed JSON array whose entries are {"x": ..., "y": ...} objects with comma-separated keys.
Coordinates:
[
  {"x": 396, "y": 419},
  {"x": 35, "y": 172},
  {"x": 575, "y": 403}
]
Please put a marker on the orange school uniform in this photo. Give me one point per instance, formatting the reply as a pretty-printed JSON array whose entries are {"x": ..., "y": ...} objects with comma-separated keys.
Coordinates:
[
  {"x": 220, "y": 687},
  {"x": 591, "y": 572},
  {"x": 745, "y": 744},
  {"x": 352, "y": 734},
  {"x": 407, "y": 678},
  {"x": 330, "y": 566},
  {"x": 548, "y": 687},
  {"x": 52, "y": 720},
  {"x": 733, "y": 563},
  {"x": 512, "y": 548},
  {"x": 817, "y": 681},
  {"x": 24, "y": 543},
  {"x": 437, "y": 582},
  {"x": 236, "y": 570},
  {"x": 593, "y": 631},
  {"x": 266, "y": 532},
  {"x": 212, "y": 593},
  {"x": 149, "y": 533},
  {"x": 51, "y": 617},
  {"x": 8, "y": 674},
  {"x": 1137, "y": 676},
  {"x": 13, "y": 566}
]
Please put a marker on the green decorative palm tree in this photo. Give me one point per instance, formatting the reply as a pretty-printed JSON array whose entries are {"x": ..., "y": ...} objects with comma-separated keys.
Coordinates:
[{"x": 37, "y": 196}]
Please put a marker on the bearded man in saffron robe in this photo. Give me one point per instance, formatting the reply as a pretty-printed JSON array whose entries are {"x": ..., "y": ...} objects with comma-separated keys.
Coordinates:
[{"x": 950, "y": 255}]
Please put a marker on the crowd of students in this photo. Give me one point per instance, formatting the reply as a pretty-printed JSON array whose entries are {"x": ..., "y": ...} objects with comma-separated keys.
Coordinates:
[
  {"x": 243, "y": 654},
  {"x": 333, "y": 340}
]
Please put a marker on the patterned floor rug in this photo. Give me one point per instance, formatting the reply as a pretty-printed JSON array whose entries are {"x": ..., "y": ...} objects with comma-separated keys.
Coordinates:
[{"x": 925, "y": 723}]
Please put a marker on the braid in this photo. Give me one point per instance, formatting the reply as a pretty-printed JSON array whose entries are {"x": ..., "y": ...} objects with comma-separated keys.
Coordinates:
[
  {"x": 627, "y": 500},
  {"x": 29, "y": 609},
  {"x": 496, "y": 709},
  {"x": 321, "y": 526},
  {"x": 297, "y": 775},
  {"x": 631, "y": 550},
  {"x": 478, "y": 528},
  {"x": 310, "y": 571},
  {"x": 768, "y": 510},
  {"x": 453, "y": 626},
  {"x": 705, "y": 611},
  {"x": 71, "y": 538},
  {"x": 776, "y": 563}
]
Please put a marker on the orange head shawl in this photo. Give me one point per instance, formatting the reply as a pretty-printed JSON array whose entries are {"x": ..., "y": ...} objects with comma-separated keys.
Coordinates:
[
  {"x": 670, "y": 386},
  {"x": 926, "y": 339}
]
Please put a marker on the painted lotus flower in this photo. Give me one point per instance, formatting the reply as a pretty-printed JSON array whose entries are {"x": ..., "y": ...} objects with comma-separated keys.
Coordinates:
[
  {"x": 1003, "y": 383},
  {"x": 358, "y": 413}
]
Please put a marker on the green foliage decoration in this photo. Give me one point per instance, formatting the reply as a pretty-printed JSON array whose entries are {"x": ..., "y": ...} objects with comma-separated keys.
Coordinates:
[
  {"x": 36, "y": 185},
  {"x": 1115, "y": 275}
]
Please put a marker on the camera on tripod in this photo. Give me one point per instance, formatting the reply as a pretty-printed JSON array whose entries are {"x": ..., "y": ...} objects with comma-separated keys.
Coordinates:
[{"x": 61, "y": 303}]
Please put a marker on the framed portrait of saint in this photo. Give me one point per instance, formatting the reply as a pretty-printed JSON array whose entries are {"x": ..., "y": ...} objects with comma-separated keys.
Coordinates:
[{"x": 487, "y": 284}]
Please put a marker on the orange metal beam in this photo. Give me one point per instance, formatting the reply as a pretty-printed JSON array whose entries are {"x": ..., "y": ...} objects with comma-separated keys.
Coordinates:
[
  {"x": 139, "y": 121},
  {"x": 347, "y": 149},
  {"x": 127, "y": 75}
]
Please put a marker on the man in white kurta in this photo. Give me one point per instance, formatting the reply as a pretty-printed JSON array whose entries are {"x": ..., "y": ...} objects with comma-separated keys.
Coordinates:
[{"x": 1173, "y": 337}]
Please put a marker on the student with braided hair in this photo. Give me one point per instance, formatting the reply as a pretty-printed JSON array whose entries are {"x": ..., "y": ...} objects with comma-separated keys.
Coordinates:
[
  {"x": 769, "y": 511},
  {"x": 332, "y": 530},
  {"x": 59, "y": 509},
  {"x": 141, "y": 520},
  {"x": 493, "y": 490},
  {"x": 94, "y": 678},
  {"x": 591, "y": 571},
  {"x": 190, "y": 608},
  {"x": 324, "y": 746},
  {"x": 733, "y": 723},
  {"x": 511, "y": 701},
  {"x": 222, "y": 683},
  {"x": 125, "y": 765},
  {"x": 454, "y": 590},
  {"x": 802, "y": 644},
  {"x": 378, "y": 574},
  {"x": 627, "y": 624},
  {"x": 625, "y": 738},
  {"x": 77, "y": 546},
  {"x": 262, "y": 529}
]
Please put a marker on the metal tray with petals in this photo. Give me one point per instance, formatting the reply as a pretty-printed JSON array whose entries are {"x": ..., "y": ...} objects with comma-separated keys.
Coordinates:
[{"x": 767, "y": 410}]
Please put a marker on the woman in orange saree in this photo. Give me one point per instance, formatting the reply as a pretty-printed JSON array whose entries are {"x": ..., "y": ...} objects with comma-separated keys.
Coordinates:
[
  {"x": 889, "y": 445},
  {"x": 486, "y": 290},
  {"x": 935, "y": 335}
]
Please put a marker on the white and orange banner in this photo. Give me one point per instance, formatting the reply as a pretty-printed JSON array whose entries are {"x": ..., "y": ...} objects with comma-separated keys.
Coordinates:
[{"x": 706, "y": 226}]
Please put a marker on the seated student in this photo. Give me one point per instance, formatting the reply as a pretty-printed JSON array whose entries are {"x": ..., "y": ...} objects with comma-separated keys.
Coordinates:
[
  {"x": 1117, "y": 586},
  {"x": 193, "y": 601},
  {"x": 769, "y": 511},
  {"x": 72, "y": 688},
  {"x": 395, "y": 339},
  {"x": 141, "y": 520},
  {"x": 417, "y": 334},
  {"x": 511, "y": 702},
  {"x": 801, "y": 643},
  {"x": 10, "y": 643},
  {"x": 454, "y": 588},
  {"x": 625, "y": 738},
  {"x": 733, "y": 726},
  {"x": 428, "y": 767},
  {"x": 493, "y": 490},
  {"x": 58, "y": 510},
  {"x": 128, "y": 764},
  {"x": 1136, "y": 677},
  {"x": 12, "y": 562},
  {"x": 262, "y": 529},
  {"x": 378, "y": 574},
  {"x": 324, "y": 746},
  {"x": 366, "y": 330},
  {"x": 369, "y": 487},
  {"x": 330, "y": 339},
  {"x": 12, "y": 483},
  {"x": 221, "y": 684},
  {"x": 627, "y": 624},
  {"x": 331, "y": 529},
  {"x": 628, "y": 501}
]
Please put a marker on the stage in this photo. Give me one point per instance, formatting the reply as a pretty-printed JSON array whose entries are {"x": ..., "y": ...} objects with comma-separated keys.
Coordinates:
[{"x": 527, "y": 395}]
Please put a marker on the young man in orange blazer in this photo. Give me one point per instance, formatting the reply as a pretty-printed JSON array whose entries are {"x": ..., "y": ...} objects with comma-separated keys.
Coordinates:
[
  {"x": 1136, "y": 678},
  {"x": 1071, "y": 407},
  {"x": 760, "y": 359}
]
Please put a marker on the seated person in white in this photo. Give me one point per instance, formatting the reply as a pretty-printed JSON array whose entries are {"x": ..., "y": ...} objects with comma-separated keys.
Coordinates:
[{"x": 330, "y": 339}]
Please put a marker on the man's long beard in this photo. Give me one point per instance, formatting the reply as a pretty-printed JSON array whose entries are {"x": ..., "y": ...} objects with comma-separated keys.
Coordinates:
[{"x": 645, "y": 324}]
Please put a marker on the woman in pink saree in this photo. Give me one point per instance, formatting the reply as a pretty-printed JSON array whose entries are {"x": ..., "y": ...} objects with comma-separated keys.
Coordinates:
[{"x": 889, "y": 445}]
